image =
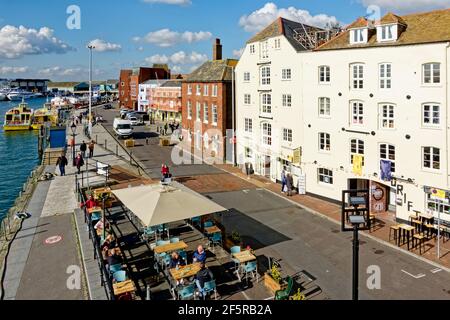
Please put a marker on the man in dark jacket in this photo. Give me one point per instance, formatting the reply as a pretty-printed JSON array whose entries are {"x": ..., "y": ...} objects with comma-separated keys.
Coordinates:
[
  {"x": 62, "y": 163},
  {"x": 83, "y": 148},
  {"x": 79, "y": 162},
  {"x": 203, "y": 276}
]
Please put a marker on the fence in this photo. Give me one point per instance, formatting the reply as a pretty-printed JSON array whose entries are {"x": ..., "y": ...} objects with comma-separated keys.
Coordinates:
[{"x": 105, "y": 278}]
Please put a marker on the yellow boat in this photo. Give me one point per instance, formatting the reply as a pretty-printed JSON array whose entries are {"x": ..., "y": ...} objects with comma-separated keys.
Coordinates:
[
  {"x": 43, "y": 116},
  {"x": 18, "y": 118}
]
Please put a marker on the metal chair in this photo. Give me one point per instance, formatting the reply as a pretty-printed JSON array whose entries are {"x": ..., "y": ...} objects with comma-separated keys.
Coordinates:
[
  {"x": 284, "y": 294},
  {"x": 187, "y": 292},
  {"x": 96, "y": 216},
  {"x": 216, "y": 239},
  {"x": 148, "y": 233},
  {"x": 208, "y": 224},
  {"x": 115, "y": 268},
  {"x": 183, "y": 254},
  {"x": 251, "y": 268},
  {"x": 209, "y": 287},
  {"x": 235, "y": 249},
  {"x": 196, "y": 221},
  {"x": 120, "y": 276}
]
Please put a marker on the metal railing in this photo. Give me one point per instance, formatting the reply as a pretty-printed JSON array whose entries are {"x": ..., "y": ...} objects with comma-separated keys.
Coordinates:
[{"x": 105, "y": 278}]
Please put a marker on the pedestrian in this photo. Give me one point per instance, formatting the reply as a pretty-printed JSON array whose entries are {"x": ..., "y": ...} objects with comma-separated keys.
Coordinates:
[
  {"x": 62, "y": 163},
  {"x": 91, "y": 149},
  {"x": 79, "y": 162},
  {"x": 165, "y": 128},
  {"x": 289, "y": 184},
  {"x": 83, "y": 148},
  {"x": 283, "y": 180}
]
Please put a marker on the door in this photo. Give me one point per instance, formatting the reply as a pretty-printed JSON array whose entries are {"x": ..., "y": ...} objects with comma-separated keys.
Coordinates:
[{"x": 267, "y": 166}]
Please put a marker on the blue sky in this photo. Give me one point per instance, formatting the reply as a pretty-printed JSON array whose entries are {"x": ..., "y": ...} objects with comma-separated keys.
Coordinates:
[{"x": 139, "y": 32}]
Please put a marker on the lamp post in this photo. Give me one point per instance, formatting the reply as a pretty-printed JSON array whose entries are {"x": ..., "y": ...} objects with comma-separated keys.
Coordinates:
[
  {"x": 73, "y": 127},
  {"x": 90, "y": 47}
]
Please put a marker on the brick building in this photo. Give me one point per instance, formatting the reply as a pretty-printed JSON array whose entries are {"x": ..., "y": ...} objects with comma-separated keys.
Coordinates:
[
  {"x": 166, "y": 101},
  {"x": 207, "y": 106},
  {"x": 130, "y": 80}
]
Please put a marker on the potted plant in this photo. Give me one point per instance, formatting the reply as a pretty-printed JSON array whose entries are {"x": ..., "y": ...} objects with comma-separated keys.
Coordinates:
[
  {"x": 233, "y": 239},
  {"x": 298, "y": 296},
  {"x": 273, "y": 280}
]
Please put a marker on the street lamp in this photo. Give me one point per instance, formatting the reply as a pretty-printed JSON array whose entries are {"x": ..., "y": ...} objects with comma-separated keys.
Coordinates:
[
  {"x": 359, "y": 219},
  {"x": 73, "y": 127},
  {"x": 90, "y": 47}
]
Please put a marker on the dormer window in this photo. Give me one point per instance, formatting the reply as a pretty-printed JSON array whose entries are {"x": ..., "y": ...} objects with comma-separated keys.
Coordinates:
[
  {"x": 358, "y": 36},
  {"x": 387, "y": 33}
]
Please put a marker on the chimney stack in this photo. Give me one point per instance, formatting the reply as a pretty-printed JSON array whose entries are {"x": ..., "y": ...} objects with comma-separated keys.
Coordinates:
[{"x": 217, "y": 50}]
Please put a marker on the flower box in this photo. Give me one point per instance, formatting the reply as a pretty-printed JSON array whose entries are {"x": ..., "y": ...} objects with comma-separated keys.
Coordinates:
[{"x": 272, "y": 285}]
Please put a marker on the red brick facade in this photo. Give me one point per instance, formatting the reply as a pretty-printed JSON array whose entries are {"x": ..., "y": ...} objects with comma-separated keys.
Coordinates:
[{"x": 124, "y": 89}]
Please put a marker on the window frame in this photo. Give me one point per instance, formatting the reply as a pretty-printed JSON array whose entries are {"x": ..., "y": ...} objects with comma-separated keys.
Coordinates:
[
  {"x": 214, "y": 115},
  {"x": 385, "y": 80},
  {"x": 215, "y": 90},
  {"x": 389, "y": 147},
  {"x": 205, "y": 90},
  {"x": 248, "y": 125},
  {"x": 287, "y": 135},
  {"x": 247, "y": 99},
  {"x": 284, "y": 74},
  {"x": 324, "y": 74},
  {"x": 246, "y": 76},
  {"x": 325, "y": 176},
  {"x": 265, "y": 74},
  {"x": 431, "y": 160},
  {"x": 432, "y": 73},
  {"x": 357, "y": 147},
  {"x": 266, "y": 134},
  {"x": 198, "y": 90},
  {"x": 286, "y": 100},
  {"x": 189, "y": 109},
  {"x": 266, "y": 104},
  {"x": 324, "y": 142},
  {"x": 358, "y": 115},
  {"x": 198, "y": 107},
  {"x": 205, "y": 112},
  {"x": 386, "y": 116},
  {"x": 325, "y": 104},
  {"x": 431, "y": 112},
  {"x": 357, "y": 83}
]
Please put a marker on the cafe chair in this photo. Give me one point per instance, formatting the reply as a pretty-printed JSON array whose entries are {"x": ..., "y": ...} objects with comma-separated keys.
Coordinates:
[
  {"x": 233, "y": 250},
  {"x": 196, "y": 221},
  {"x": 148, "y": 233},
  {"x": 187, "y": 292},
  {"x": 284, "y": 294},
  {"x": 216, "y": 239},
  {"x": 115, "y": 268},
  {"x": 174, "y": 240},
  {"x": 208, "y": 224},
  {"x": 183, "y": 254},
  {"x": 250, "y": 268},
  {"x": 120, "y": 276},
  {"x": 96, "y": 216},
  {"x": 210, "y": 287}
]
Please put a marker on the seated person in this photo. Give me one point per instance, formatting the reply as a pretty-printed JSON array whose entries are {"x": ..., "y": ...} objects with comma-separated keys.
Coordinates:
[
  {"x": 109, "y": 242},
  {"x": 176, "y": 260},
  {"x": 204, "y": 275},
  {"x": 199, "y": 255},
  {"x": 113, "y": 258},
  {"x": 91, "y": 203}
]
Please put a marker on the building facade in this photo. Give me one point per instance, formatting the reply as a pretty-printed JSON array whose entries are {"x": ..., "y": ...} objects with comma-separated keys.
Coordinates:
[
  {"x": 166, "y": 101},
  {"x": 32, "y": 85},
  {"x": 145, "y": 94}
]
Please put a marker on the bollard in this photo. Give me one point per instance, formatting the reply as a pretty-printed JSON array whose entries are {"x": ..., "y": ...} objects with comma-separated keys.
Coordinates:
[
  {"x": 117, "y": 150},
  {"x": 106, "y": 147},
  {"x": 131, "y": 157},
  {"x": 96, "y": 139},
  {"x": 146, "y": 141},
  {"x": 148, "y": 293}
]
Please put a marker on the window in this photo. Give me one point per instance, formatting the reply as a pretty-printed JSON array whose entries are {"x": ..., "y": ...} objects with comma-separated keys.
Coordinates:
[
  {"x": 358, "y": 36},
  {"x": 265, "y": 75},
  {"x": 199, "y": 90},
  {"x": 357, "y": 112},
  {"x": 248, "y": 125},
  {"x": 324, "y": 107},
  {"x": 197, "y": 110},
  {"x": 214, "y": 114},
  {"x": 387, "y": 116},
  {"x": 287, "y": 100},
  {"x": 189, "y": 109},
  {"x": 387, "y": 152},
  {"x": 356, "y": 148},
  {"x": 357, "y": 76},
  {"x": 325, "y": 175},
  {"x": 205, "y": 90},
  {"x": 123, "y": 84},
  {"x": 189, "y": 89},
  {"x": 431, "y": 115},
  {"x": 205, "y": 113},
  {"x": 252, "y": 49},
  {"x": 324, "y": 141},
  {"x": 264, "y": 47},
  {"x": 437, "y": 206},
  {"x": 246, "y": 76},
  {"x": 431, "y": 158},
  {"x": 266, "y": 103},
  {"x": 248, "y": 152},
  {"x": 286, "y": 74},
  {"x": 287, "y": 135},
  {"x": 277, "y": 43},
  {"x": 214, "y": 90},
  {"x": 266, "y": 134},
  {"x": 247, "y": 99},
  {"x": 324, "y": 74},
  {"x": 385, "y": 76},
  {"x": 431, "y": 73},
  {"x": 387, "y": 33}
]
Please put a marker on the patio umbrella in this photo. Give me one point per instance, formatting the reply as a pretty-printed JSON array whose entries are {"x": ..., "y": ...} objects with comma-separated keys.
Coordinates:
[{"x": 157, "y": 204}]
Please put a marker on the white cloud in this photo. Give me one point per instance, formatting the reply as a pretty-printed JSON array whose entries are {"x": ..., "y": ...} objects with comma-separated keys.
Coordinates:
[
  {"x": 16, "y": 42},
  {"x": 13, "y": 70},
  {"x": 140, "y": 49},
  {"x": 63, "y": 72},
  {"x": 169, "y": 38},
  {"x": 262, "y": 17},
  {"x": 178, "y": 58},
  {"x": 103, "y": 46},
  {"x": 172, "y": 2},
  {"x": 399, "y": 6},
  {"x": 238, "y": 53}
]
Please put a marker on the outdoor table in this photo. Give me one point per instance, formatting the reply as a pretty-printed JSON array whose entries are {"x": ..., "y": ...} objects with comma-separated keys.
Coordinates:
[
  {"x": 99, "y": 192},
  {"x": 170, "y": 247},
  {"x": 94, "y": 209},
  {"x": 418, "y": 225},
  {"x": 243, "y": 257},
  {"x": 123, "y": 287},
  {"x": 426, "y": 218},
  {"x": 408, "y": 231},
  {"x": 213, "y": 229},
  {"x": 183, "y": 272}
]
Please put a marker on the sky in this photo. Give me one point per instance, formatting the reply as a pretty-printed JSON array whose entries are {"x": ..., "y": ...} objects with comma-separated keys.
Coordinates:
[{"x": 48, "y": 38}]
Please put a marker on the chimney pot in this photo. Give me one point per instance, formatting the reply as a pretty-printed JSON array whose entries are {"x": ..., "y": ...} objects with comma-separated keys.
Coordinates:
[{"x": 217, "y": 50}]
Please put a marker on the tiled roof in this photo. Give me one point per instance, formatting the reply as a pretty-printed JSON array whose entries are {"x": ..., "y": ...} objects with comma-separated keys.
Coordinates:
[
  {"x": 282, "y": 26},
  {"x": 391, "y": 18},
  {"x": 428, "y": 27},
  {"x": 172, "y": 84},
  {"x": 360, "y": 23},
  {"x": 213, "y": 71}
]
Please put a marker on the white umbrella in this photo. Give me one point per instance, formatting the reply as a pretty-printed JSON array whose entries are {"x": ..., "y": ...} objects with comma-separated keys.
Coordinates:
[{"x": 156, "y": 204}]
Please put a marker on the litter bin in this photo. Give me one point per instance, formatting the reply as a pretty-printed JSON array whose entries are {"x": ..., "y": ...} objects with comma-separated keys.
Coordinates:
[{"x": 129, "y": 143}]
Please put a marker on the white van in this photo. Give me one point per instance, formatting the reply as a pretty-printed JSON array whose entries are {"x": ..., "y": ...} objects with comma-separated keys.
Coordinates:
[{"x": 123, "y": 128}]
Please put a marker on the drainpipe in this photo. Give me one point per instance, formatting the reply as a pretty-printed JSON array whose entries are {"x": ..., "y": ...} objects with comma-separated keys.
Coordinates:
[{"x": 447, "y": 48}]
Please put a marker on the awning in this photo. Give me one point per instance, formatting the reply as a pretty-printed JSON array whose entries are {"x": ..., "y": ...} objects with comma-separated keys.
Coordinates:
[{"x": 157, "y": 204}]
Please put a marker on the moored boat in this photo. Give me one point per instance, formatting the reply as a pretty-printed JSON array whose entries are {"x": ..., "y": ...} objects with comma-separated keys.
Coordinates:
[
  {"x": 18, "y": 118},
  {"x": 45, "y": 115}
]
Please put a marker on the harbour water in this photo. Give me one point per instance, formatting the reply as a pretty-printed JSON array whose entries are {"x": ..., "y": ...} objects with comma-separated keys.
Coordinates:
[{"x": 18, "y": 156}]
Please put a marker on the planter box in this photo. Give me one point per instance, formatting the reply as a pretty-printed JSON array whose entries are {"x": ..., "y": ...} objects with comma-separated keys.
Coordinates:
[{"x": 272, "y": 285}]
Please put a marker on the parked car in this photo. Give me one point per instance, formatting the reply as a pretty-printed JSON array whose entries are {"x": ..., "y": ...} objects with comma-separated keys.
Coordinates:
[
  {"x": 107, "y": 107},
  {"x": 123, "y": 128}
]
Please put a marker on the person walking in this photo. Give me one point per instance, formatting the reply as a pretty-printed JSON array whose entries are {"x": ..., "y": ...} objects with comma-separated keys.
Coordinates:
[
  {"x": 79, "y": 162},
  {"x": 165, "y": 128},
  {"x": 83, "y": 148},
  {"x": 289, "y": 184},
  {"x": 62, "y": 163},
  {"x": 283, "y": 180},
  {"x": 91, "y": 149}
]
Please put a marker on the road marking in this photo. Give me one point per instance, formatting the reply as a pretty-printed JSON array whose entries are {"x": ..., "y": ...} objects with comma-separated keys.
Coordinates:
[
  {"x": 53, "y": 240},
  {"x": 415, "y": 277},
  {"x": 436, "y": 270}
]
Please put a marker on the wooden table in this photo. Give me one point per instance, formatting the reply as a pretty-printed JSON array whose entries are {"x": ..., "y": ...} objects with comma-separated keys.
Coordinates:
[
  {"x": 213, "y": 229},
  {"x": 170, "y": 247},
  {"x": 244, "y": 256},
  {"x": 187, "y": 271},
  {"x": 99, "y": 192},
  {"x": 94, "y": 209},
  {"x": 123, "y": 287},
  {"x": 426, "y": 216},
  {"x": 408, "y": 231}
]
